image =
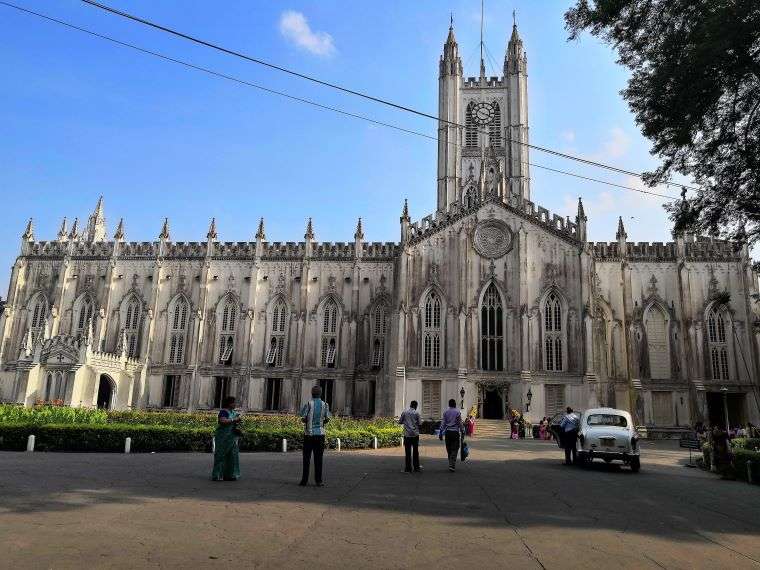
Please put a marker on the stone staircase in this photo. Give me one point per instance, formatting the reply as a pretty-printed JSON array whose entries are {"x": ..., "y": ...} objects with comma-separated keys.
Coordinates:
[{"x": 491, "y": 428}]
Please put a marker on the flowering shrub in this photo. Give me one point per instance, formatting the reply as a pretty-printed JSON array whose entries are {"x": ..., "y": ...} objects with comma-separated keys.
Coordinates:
[{"x": 46, "y": 414}]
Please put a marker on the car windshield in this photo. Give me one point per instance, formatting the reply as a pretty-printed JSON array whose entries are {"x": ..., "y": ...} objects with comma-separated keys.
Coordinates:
[{"x": 606, "y": 420}]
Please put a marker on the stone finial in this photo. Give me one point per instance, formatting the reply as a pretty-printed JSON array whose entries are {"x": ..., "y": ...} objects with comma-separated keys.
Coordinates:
[
  {"x": 96, "y": 224},
  {"x": 260, "y": 232},
  {"x": 74, "y": 229},
  {"x": 63, "y": 233},
  {"x": 164, "y": 235},
  {"x": 359, "y": 234},
  {"x": 405, "y": 212},
  {"x": 212, "y": 230},
  {"x": 119, "y": 235},
  {"x": 581, "y": 211},
  {"x": 621, "y": 230},
  {"x": 28, "y": 234},
  {"x": 309, "y": 231}
]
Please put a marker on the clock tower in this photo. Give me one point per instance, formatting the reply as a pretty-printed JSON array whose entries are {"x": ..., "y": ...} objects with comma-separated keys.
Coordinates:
[{"x": 486, "y": 151}]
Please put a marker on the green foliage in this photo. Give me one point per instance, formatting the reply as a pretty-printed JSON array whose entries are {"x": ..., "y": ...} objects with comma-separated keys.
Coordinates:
[
  {"x": 695, "y": 91},
  {"x": 750, "y": 443},
  {"x": 10, "y": 413},
  {"x": 741, "y": 458}
]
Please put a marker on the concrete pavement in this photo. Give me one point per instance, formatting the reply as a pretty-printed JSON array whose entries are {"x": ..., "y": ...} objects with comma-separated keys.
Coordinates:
[{"x": 513, "y": 505}]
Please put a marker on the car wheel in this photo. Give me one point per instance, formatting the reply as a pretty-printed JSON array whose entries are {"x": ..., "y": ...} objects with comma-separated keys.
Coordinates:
[{"x": 635, "y": 464}]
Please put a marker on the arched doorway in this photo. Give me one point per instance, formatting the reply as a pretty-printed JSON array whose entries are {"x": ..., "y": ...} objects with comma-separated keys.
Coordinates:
[
  {"x": 493, "y": 403},
  {"x": 105, "y": 392}
]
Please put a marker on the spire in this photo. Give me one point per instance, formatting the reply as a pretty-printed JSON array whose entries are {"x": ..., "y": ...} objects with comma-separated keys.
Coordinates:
[
  {"x": 96, "y": 224},
  {"x": 28, "y": 234},
  {"x": 119, "y": 235},
  {"x": 515, "y": 60},
  {"x": 405, "y": 212},
  {"x": 450, "y": 63},
  {"x": 309, "y": 231},
  {"x": 211, "y": 230},
  {"x": 581, "y": 211},
  {"x": 63, "y": 233},
  {"x": 621, "y": 230},
  {"x": 482, "y": 63},
  {"x": 359, "y": 233},
  {"x": 260, "y": 232},
  {"x": 164, "y": 235},
  {"x": 74, "y": 230}
]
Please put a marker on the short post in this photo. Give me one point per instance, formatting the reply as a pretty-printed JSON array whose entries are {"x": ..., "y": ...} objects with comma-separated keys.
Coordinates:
[
  {"x": 337, "y": 444},
  {"x": 284, "y": 445},
  {"x": 213, "y": 445},
  {"x": 30, "y": 443},
  {"x": 128, "y": 445},
  {"x": 374, "y": 443}
]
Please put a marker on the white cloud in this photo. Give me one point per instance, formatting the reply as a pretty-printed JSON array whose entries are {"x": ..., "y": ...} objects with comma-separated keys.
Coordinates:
[
  {"x": 617, "y": 144},
  {"x": 295, "y": 27},
  {"x": 568, "y": 136}
]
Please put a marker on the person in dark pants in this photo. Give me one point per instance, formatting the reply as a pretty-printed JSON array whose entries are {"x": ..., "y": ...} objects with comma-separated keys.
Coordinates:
[
  {"x": 451, "y": 431},
  {"x": 410, "y": 419},
  {"x": 315, "y": 414},
  {"x": 568, "y": 433}
]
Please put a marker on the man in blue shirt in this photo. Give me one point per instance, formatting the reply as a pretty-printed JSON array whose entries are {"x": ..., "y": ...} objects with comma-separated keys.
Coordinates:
[
  {"x": 451, "y": 431},
  {"x": 315, "y": 414},
  {"x": 568, "y": 434}
]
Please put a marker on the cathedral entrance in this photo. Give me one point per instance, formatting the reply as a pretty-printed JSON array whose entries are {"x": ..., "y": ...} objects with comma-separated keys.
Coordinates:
[
  {"x": 493, "y": 403},
  {"x": 105, "y": 392}
]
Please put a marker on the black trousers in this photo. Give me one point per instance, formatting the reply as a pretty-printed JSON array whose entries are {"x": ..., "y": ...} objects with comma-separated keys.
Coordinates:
[
  {"x": 568, "y": 442},
  {"x": 412, "y": 452},
  {"x": 313, "y": 444},
  {"x": 452, "y": 447}
]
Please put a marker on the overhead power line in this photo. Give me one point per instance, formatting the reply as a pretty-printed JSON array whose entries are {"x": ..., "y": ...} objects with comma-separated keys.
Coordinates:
[
  {"x": 349, "y": 91},
  {"x": 301, "y": 99}
]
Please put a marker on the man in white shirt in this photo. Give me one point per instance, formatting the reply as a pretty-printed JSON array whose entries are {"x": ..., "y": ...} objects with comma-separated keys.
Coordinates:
[
  {"x": 410, "y": 419},
  {"x": 568, "y": 433}
]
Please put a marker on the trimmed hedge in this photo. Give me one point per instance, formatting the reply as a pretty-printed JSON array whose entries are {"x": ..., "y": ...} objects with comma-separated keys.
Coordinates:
[
  {"x": 18, "y": 414},
  {"x": 741, "y": 457},
  {"x": 158, "y": 438},
  {"x": 751, "y": 443}
]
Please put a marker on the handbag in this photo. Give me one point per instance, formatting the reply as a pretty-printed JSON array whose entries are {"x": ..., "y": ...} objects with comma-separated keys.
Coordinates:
[{"x": 465, "y": 451}]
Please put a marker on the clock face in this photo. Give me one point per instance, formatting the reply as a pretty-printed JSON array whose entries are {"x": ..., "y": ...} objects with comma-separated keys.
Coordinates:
[{"x": 484, "y": 113}]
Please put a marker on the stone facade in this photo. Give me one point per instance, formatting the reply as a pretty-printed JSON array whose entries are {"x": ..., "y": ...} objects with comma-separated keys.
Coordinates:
[{"x": 491, "y": 296}]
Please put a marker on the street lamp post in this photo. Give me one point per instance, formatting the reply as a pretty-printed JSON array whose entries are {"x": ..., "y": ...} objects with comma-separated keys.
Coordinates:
[
  {"x": 530, "y": 397},
  {"x": 461, "y": 394},
  {"x": 724, "y": 391}
]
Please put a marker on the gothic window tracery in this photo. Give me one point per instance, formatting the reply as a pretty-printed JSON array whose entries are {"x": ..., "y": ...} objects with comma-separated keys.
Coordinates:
[
  {"x": 718, "y": 343},
  {"x": 657, "y": 343},
  {"x": 83, "y": 311},
  {"x": 39, "y": 308},
  {"x": 553, "y": 334},
  {"x": 329, "y": 341},
  {"x": 277, "y": 333},
  {"x": 132, "y": 322},
  {"x": 227, "y": 326},
  {"x": 471, "y": 127},
  {"x": 469, "y": 197},
  {"x": 494, "y": 129},
  {"x": 431, "y": 331},
  {"x": 379, "y": 327},
  {"x": 178, "y": 330},
  {"x": 491, "y": 331}
]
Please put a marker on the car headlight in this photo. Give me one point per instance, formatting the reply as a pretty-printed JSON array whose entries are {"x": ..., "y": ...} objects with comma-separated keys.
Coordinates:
[{"x": 634, "y": 442}]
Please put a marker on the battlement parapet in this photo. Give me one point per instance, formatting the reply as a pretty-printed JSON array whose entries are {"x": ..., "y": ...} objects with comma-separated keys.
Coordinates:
[
  {"x": 474, "y": 82},
  {"x": 378, "y": 250},
  {"x": 703, "y": 249}
]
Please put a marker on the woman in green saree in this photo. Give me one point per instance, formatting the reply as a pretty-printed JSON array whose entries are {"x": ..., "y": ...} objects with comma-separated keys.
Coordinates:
[{"x": 226, "y": 457}]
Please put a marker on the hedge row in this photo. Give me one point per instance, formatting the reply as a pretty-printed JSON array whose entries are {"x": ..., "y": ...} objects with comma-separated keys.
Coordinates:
[
  {"x": 737, "y": 469},
  {"x": 751, "y": 443},
  {"x": 157, "y": 438}
]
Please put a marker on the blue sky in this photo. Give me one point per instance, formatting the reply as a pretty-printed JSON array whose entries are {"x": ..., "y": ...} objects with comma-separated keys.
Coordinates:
[{"x": 80, "y": 117}]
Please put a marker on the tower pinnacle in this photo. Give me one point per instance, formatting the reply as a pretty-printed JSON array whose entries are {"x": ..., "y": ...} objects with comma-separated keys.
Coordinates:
[
  {"x": 164, "y": 235},
  {"x": 260, "y": 232},
  {"x": 96, "y": 224},
  {"x": 28, "y": 234},
  {"x": 405, "y": 212},
  {"x": 621, "y": 230},
  {"x": 309, "y": 231},
  {"x": 119, "y": 235},
  {"x": 63, "y": 233},
  {"x": 359, "y": 234},
  {"x": 211, "y": 230}
]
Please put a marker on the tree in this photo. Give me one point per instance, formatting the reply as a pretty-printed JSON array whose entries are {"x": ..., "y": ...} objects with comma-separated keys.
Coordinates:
[{"x": 695, "y": 93}]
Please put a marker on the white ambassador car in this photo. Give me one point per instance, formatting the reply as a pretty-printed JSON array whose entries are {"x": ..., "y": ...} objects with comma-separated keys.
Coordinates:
[{"x": 608, "y": 434}]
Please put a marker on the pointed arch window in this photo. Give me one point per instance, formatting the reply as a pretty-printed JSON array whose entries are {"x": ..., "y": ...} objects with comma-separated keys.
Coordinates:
[
  {"x": 379, "y": 327},
  {"x": 431, "y": 331},
  {"x": 132, "y": 322},
  {"x": 553, "y": 341},
  {"x": 655, "y": 324},
  {"x": 277, "y": 333},
  {"x": 83, "y": 315},
  {"x": 491, "y": 331},
  {"x": 718, "y": 343},
  {"x": 39, "y": 314},
  {"x": 469, "y": 198},
  {"x": 178, "y": 331},
  {"x": 471, "y": 127},
  {"x": 329, "y": 344},
  {"x": 494, "y": 129},
  {"x": 227, "y": 325}
]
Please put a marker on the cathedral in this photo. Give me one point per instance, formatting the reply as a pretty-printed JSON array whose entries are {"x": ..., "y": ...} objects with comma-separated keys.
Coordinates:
[{"x": 490, "y": 300}]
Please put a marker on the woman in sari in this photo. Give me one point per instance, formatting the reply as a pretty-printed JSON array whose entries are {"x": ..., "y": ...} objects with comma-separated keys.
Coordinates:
[
  {"x": 226, "y": 457},
  {"x": 542, "y": 429}
]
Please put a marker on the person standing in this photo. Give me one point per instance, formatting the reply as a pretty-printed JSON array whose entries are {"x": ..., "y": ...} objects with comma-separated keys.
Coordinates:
[
  {"x": 226, "y": 449},
  {"x": 451, "y": 431},
  {"x": 410, "y": 419},
  {"x": 315, "y": 414},
  {"x": 568, "y": 433}
]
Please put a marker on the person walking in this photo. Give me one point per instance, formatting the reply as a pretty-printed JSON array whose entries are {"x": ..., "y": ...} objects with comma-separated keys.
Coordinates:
[
  {"x": 226, "y": 448},
  {"x": 410, "y": 419},
  {"x": 568, "y": 433},
  {"x": 315, "y": 414},
  {"x": 451, "y": 431}
]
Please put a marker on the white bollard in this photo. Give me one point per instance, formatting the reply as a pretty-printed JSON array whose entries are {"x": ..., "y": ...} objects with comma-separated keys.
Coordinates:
[
  {"x": 337, "y": 444},
  {"x": 374, "y": 443},
  {"x": 128, "y": 445},
  {"x": 213, "y": 445},
  {"x": 284, "y": 445},
  {"x": 30, "y": 443}
]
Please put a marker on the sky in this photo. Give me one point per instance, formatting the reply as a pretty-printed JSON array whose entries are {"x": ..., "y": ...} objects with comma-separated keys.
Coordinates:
[{"x": 81, "y": 117}]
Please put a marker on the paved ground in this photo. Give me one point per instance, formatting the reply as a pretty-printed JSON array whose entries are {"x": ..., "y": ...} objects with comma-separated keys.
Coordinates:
[{"x": 514, "y": 505}]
